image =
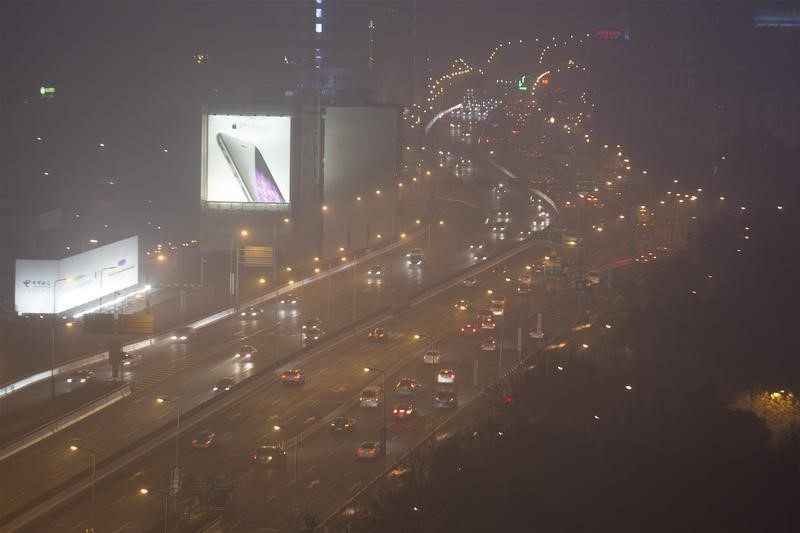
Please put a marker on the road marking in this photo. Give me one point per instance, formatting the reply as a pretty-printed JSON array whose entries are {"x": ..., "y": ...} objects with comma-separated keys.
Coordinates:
[
  {"x": 132, "y": 433},
  {"x": 355, "y": 486},
  {"x": 313, "y": 402},
  {"x": 137, "y": 474},
  {"x": 313, "y": 484},
  {"x": 276, "y": 401},
  {"x": 309, "y": 420},
  {"x": 123, "y": 526},
  {"x": 273, "y": 417}
]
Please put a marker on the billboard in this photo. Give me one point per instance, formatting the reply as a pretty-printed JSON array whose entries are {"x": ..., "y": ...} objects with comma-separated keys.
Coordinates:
[
  {"x": 247, "y": 160},
  {"x": 44, "y": 285}
]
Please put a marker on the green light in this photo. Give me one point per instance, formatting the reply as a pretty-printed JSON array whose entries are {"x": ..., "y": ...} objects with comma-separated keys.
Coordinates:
[
  {"x": 522, "y": 84},
  {"x": 47, "y": 90}
]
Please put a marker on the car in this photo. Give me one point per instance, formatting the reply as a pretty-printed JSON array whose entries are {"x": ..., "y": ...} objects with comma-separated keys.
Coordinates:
[
  {"x": 477, "y": 246},
  {"x": 445, "y": 399},
  {"x": 646, "y": 257},
  {"x": 312, "y": 336},
  {"x": 536, "y": 334},
  {"x": 293, "y": 377},
  {"x": 224, "y": 385},
  {"x": 592, "y": 278},
  {"x": 501, "y": 216},
  {"x": 270, "y": 455},
  {"x": 404, "y": 411},
  {"x": 468, "y": 330},
  {"x": 497, "y": 308},
  {"x": 205, "y": 438},
  {"x": 368, "y": 450},
  {"x": 486, "y": 319},
  {"x": 130, "y": 360},
  {"x": 252, "y": 312},
  {"x": 245, "y": 351},
  {"x": 377, "y": 334},
  {"x": 342, "y": 424},
  {"x": 289, "y": 299},
  {"x": 462, "y": 305},
  {"x": 432, "y": 357},
  {"x": 489, "y": 344},
  {"x": 502, "y": 271},
  {"x": 415, "y": 257},
  {"x": 407, "y": 387},
  {"x": 182, "y": 334},
  {"x": 376, "y": 271},
  {"x": 524, "y": 288},
  {"x": 371, "y": 397},
  {"x": 499, "y": 228},
  {"x": 310, "y": 323},
  {"x": 470, "y": 282},
  {"x": 81, "y": 376},
  {"x": 446, "y": 375}
]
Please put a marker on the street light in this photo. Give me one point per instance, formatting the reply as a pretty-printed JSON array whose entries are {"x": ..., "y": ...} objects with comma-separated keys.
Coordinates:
[
  {"x": 178, "y": 430},
  {"x": 434, "y": 367},
  {"x": 75, "y": 448},
  {"x": 296, "y": 457},
  {"x": 383, "y": 400},
  {"x": 53, "y": 349},
  {"x": 235, "y": 264},
  {"x": 165, "y": 494}
]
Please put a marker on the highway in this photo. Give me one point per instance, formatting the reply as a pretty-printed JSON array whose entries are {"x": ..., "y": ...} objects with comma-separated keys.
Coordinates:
[
  {"x": 328, "y": 470},
  {"x": 188, "y": 371}
]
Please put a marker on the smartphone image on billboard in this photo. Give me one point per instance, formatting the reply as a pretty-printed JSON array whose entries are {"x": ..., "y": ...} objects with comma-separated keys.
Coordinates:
[{"x": 251, "y": 171}]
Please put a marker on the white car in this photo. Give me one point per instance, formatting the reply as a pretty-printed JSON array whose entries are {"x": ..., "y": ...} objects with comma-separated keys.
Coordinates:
[
  {"x": 432, "y": 357},
  {"x": 489, "y": 344},
  {"x": 446, "y": 375},
  {"x": 371, "y": 397},
  {"x": 245, "y": 351},
  {"x": 592, "y": 278}
]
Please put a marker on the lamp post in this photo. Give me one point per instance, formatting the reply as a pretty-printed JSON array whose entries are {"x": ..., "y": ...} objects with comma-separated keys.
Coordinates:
[
  {"x": 296, "y": 458},
  {"x": 178, "y": 428},
  {"x": 159, "y": 258},
  {"x": 93, "y": 454},
  {"x": 434, "y": 366},
  {"x": 165, "y": 494},
  {"x": 177, "y": 405},
  {"x": 383, "y": 401},
  {"x": 53, "y": 348},
  {"x": 234, "y": 287},
  {"x": 101, "y": 282},
  {"x": 330, "y": 280}
]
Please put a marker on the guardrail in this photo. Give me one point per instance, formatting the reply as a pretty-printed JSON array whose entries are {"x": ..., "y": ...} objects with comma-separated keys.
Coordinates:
[{"x": 63, "y": 422}]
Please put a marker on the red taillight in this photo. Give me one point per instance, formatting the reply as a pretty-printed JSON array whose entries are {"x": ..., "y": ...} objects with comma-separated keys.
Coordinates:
[
  {"x": 255, "y": 456},
  {"x": 372, "y": 451}
]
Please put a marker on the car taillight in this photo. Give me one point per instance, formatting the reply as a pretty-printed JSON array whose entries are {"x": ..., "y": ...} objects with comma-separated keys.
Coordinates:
[
  {"x": 255, "y": 457},
  {"x": 372, "y": 451}
]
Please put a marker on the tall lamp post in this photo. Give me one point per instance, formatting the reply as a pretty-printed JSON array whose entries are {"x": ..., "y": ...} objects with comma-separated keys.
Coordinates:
[
  {"x": 165, "y": 494},
  {"x": 53, "y": 348},
  {"x": 296, "y": 458},
  {"x": 383, "y": 401},
  {"x": 159, "y": 257},
  {"x": 93, "y": 454},
  {"x": 235, "y": 239},
  {"x": 177, "y": 405},
  {"x": 434, "y": 366},
  {"x": 328, "y": 265}
]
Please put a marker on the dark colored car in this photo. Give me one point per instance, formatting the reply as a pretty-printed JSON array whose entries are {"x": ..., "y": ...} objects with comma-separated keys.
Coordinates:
[
  {"x": 224, "y": 385},
  {"x": 342, "y": 424},
  {"x": 446, "y": 399},
  {"x": 81, "y": 376},
  {"x": 204, "y": 438},
  {"x": 377, "y": 335},
  {"x": 272, "y": 455},
  {"x": 293, "y": 377}
]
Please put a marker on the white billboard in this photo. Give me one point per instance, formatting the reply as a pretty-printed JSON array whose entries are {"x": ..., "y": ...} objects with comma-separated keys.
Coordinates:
[
  {"x": 247, "y": 159},
  {"x": 42, "y": 286}
]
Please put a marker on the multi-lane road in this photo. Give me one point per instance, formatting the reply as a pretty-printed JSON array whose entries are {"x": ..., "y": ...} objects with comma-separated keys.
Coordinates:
[{"x": 328, "y": 473}]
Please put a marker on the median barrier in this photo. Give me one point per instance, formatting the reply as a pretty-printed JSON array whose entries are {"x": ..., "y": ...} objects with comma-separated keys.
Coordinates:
[{"x": 63, "y": 422}]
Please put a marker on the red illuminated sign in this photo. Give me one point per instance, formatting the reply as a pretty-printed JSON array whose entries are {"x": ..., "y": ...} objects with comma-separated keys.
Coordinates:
[{"x": 608, "y": 35}]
